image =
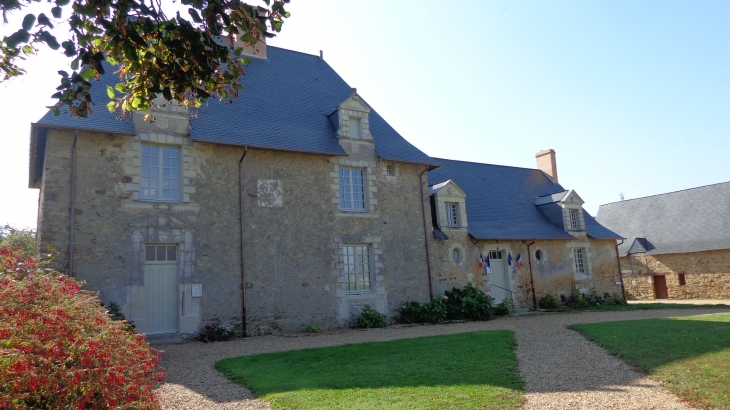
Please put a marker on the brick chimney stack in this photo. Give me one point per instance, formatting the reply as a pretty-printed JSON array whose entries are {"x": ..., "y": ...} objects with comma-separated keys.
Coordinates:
[{"x": 546, "y": 163}]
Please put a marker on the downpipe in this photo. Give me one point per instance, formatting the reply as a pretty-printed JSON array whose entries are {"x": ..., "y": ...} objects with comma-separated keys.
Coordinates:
[
  {"x": 240, "y": 218},
  {"x": 425, "y": 235}
]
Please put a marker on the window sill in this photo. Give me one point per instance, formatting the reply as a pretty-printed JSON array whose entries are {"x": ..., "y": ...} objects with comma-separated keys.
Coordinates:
[
  {"x": 360, "y": 294},
  {"x": 357, "y": 214}
]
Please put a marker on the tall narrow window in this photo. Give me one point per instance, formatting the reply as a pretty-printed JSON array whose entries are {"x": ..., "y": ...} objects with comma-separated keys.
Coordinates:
[
  {"x": 352, "y": 189},
  {"x": 355, "y": 128},
  {"x": 357, "y": 267},
  {"x": 452, "y": 214},
  {"x": 682, "y": 280},
  {"x": 574, "y": 220},
  {"x": 160, "y": 182},
  {"x": 579, "y": 255}
]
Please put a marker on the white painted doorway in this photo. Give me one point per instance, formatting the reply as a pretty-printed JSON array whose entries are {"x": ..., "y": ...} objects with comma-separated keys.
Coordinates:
[
  {"x": 499, "y": 276},
  {"x": 160, "y": 290}
]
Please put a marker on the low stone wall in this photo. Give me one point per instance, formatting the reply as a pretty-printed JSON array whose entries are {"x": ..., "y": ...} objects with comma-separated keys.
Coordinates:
[{"x": 706, "y": 274}]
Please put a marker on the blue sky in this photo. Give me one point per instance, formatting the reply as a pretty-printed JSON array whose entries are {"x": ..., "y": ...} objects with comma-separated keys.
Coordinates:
[{"x": 633, "y": 96}]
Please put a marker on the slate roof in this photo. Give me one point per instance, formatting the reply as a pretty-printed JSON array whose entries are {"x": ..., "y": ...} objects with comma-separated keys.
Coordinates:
[
  {"x": 283, "y": 106},
  {"x": 101, "y": 119},
  {"x": 691, "y": 220},
  {"x": 501, "y": 201}
]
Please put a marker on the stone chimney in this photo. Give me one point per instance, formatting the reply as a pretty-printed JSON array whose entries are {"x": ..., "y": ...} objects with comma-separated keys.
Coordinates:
[{"x": 546, "y": 163}]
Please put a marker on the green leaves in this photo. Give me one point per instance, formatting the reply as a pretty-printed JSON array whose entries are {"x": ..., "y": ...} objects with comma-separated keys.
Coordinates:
[
  {"x": 177, "y": 58},
  {"x": 28, "y": 22},
  {"x": 87, "y": 74}
]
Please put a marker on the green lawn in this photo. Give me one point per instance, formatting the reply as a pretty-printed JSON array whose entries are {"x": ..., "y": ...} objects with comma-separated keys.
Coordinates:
[
  {"x": 691, "y": 355},
  {"x": 475, "y": 370},
  {"x": 641, "y": 306}
]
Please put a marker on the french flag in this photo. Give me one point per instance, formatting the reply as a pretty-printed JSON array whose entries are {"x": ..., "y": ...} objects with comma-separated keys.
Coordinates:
[
  {"x": 489, "y": 265},
  {"x": 519, "y": 260},
  {"x": 481, "y": 261}
]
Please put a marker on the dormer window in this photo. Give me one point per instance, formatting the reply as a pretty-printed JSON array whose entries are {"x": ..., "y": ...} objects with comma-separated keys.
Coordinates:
[
  {"x": 452, "y": 214},
  {"x": 448, "y": 206},
  {"x": 575, "y": 224},
  {"x": 355, "y": 128},
  {"x": 573, "y": 219}
]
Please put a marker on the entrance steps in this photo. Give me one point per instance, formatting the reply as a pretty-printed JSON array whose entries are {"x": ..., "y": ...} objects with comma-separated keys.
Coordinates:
[{"x": 169, "y": 338}]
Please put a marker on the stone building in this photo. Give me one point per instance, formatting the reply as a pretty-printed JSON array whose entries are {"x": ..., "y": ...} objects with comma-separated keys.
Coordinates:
[
  {"x": 295, "y": 204},
  {"x": 677, "y": 244},
  {"x": 532, "y": 235}
]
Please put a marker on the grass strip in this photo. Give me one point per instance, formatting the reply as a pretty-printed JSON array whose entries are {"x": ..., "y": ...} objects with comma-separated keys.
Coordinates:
[
  {"x": 640, "y": 306},
  {"x": 476, "y": 370},
  {"x": 691, "y": 355}
]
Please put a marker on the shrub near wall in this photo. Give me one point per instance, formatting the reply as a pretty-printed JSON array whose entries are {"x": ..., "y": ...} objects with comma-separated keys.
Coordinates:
[{"x": 59, "y": 348}]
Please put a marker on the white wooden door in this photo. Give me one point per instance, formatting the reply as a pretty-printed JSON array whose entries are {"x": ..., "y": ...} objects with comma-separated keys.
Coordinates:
[
  {"x": 160, "y": 292},
  {"x": 499, "y": 276}
]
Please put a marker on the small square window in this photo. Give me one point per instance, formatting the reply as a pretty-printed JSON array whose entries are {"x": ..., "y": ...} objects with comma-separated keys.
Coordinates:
[
  {"x": 452, "y": 214},
  {"x": 390, "y": 170}
]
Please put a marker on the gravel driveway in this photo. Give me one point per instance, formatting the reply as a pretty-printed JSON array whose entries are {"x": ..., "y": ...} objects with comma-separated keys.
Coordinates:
[{"x": 560, "y": 368}]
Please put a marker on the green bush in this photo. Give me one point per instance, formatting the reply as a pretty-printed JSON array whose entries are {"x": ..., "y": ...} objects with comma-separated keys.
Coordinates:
[
  {"x": 549, "y": 302},
  {"x": 61, "y": 350},
  {"x": 503, "y": 308},
  {"x": 15, "y": 237},
  {"x": 468, "y": 303},
  {"x": 371, "y": 318},
  {"x": 315, "y": 327},
  {"x": 431, "y": 312}
]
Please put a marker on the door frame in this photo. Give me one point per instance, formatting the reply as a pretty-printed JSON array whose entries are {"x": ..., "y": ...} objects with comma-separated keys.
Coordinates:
[
  {"x": 176, "y": 286},
  {"x": 505, "y": 267}
]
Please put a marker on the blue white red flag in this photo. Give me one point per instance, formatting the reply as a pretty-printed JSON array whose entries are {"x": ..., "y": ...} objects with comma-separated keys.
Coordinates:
[
  {"x": 481, "y": 261},
  {"x": 519, "y": 259}
]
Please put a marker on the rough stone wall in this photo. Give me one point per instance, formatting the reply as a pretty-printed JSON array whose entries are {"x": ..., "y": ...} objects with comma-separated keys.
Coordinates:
[
  {"x": 112, "y": 226},
  {"x": 294, "y": 231},
  {"x": 293, "y": 250},
  {"x": 707, "y": 274},
  {"x": 553, "y": 274}
]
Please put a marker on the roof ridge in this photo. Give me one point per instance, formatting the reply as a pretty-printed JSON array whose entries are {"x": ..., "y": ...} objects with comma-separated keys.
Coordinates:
[
  {"x": 665, "y": 193},
  {"x": 294, "y": 51},
  {"x": 484, "y": 163}
]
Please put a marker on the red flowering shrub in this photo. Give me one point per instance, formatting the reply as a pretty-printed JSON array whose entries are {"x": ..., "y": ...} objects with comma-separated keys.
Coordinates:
[{"x": 59, "y": 348}]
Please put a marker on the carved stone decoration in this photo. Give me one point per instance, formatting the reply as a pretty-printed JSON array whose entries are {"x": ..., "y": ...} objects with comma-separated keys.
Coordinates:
[{"x": 270, "y": 193}]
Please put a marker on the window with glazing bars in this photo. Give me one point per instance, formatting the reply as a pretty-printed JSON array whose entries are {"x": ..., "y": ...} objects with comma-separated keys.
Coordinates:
[
  {"x": 160, "y": 253},
  {"x": 574, "y": 219},
  {"x": 356, "y": 261},
  {"x": 452, "y": 214},
  {"x": 579, "y": 258},
  {"x": 160, "y": 173},
  {"x": 352, "y": 189}
]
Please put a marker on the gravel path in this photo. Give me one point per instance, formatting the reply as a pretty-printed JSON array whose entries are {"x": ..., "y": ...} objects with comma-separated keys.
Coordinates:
[{"x": 560, "y": 368}]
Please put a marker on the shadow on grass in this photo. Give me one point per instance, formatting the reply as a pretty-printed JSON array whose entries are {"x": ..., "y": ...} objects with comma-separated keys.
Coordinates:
[
  {"x": 652, "y": 343},
  {"x": 461, "y": 370}
]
